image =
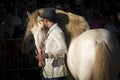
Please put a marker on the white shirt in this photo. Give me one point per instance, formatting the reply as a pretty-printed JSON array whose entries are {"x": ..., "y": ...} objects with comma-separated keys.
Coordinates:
[{"x": 56, "y": 46}]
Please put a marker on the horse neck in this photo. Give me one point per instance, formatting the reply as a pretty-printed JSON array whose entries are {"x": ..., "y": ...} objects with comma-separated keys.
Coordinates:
[
  {"x": 40, "y": 39},
  {"x": 43, "y": 38}
]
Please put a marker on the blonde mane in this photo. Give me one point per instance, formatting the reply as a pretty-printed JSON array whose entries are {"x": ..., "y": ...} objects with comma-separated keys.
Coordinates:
[{"x": 71, "y": 24}]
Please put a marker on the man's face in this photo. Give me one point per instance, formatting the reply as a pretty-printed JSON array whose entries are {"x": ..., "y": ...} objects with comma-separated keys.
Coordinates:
[{"x": 45, "y": 23}]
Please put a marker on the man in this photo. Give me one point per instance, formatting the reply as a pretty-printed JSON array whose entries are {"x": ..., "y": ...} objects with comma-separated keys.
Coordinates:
[{"x": 55, "y": 48}]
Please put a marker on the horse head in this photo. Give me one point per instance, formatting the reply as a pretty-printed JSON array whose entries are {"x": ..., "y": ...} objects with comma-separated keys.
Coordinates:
[{"x": 36, "y": 30}]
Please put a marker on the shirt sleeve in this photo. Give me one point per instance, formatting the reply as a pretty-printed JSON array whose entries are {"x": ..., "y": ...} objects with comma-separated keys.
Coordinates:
[{"x": 59, "y": 39}]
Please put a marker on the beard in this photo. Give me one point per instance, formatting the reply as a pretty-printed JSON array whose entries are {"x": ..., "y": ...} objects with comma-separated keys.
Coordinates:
[{"x": 46, "y": 27}]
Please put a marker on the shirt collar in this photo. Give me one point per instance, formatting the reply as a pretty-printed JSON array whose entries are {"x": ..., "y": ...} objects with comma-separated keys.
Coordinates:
[{"x": 53, "y": 26}]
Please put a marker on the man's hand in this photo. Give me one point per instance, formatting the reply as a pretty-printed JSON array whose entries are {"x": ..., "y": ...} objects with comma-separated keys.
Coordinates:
[
  {"x": 41, "y": 64},
  {"x": 41, "y": 58}
]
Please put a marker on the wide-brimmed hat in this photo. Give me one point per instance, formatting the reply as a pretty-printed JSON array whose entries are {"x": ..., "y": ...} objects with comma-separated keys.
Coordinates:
[{"x": 49, "y": 13}]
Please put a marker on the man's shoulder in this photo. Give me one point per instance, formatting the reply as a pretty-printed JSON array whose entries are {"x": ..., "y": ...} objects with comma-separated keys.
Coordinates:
[{"x": 57, "y": 29}]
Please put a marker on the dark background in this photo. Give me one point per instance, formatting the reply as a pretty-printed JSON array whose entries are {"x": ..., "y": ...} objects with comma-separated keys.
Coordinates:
[{"x": 18, "y": 64}]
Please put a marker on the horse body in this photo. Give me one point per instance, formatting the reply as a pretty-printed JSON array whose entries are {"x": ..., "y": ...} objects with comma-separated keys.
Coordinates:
[
  {"x": 81, "y": 57},
  {"x": 92, "y": 55}
]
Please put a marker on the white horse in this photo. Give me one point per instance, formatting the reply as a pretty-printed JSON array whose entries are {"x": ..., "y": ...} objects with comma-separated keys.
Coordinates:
[{"x": 92, "y": 55}]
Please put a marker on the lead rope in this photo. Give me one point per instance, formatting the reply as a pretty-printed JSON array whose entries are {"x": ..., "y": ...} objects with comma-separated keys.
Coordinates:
[{"x": 42, "y": 67}]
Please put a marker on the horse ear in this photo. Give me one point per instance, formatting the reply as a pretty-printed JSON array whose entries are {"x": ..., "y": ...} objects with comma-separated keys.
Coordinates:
[{"x": 28, "y": 14}]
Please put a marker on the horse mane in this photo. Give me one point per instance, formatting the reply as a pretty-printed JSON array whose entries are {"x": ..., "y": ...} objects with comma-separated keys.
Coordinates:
[
  {"x": 30, "y": 22},
  {"x": 71, "y": 24}
]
